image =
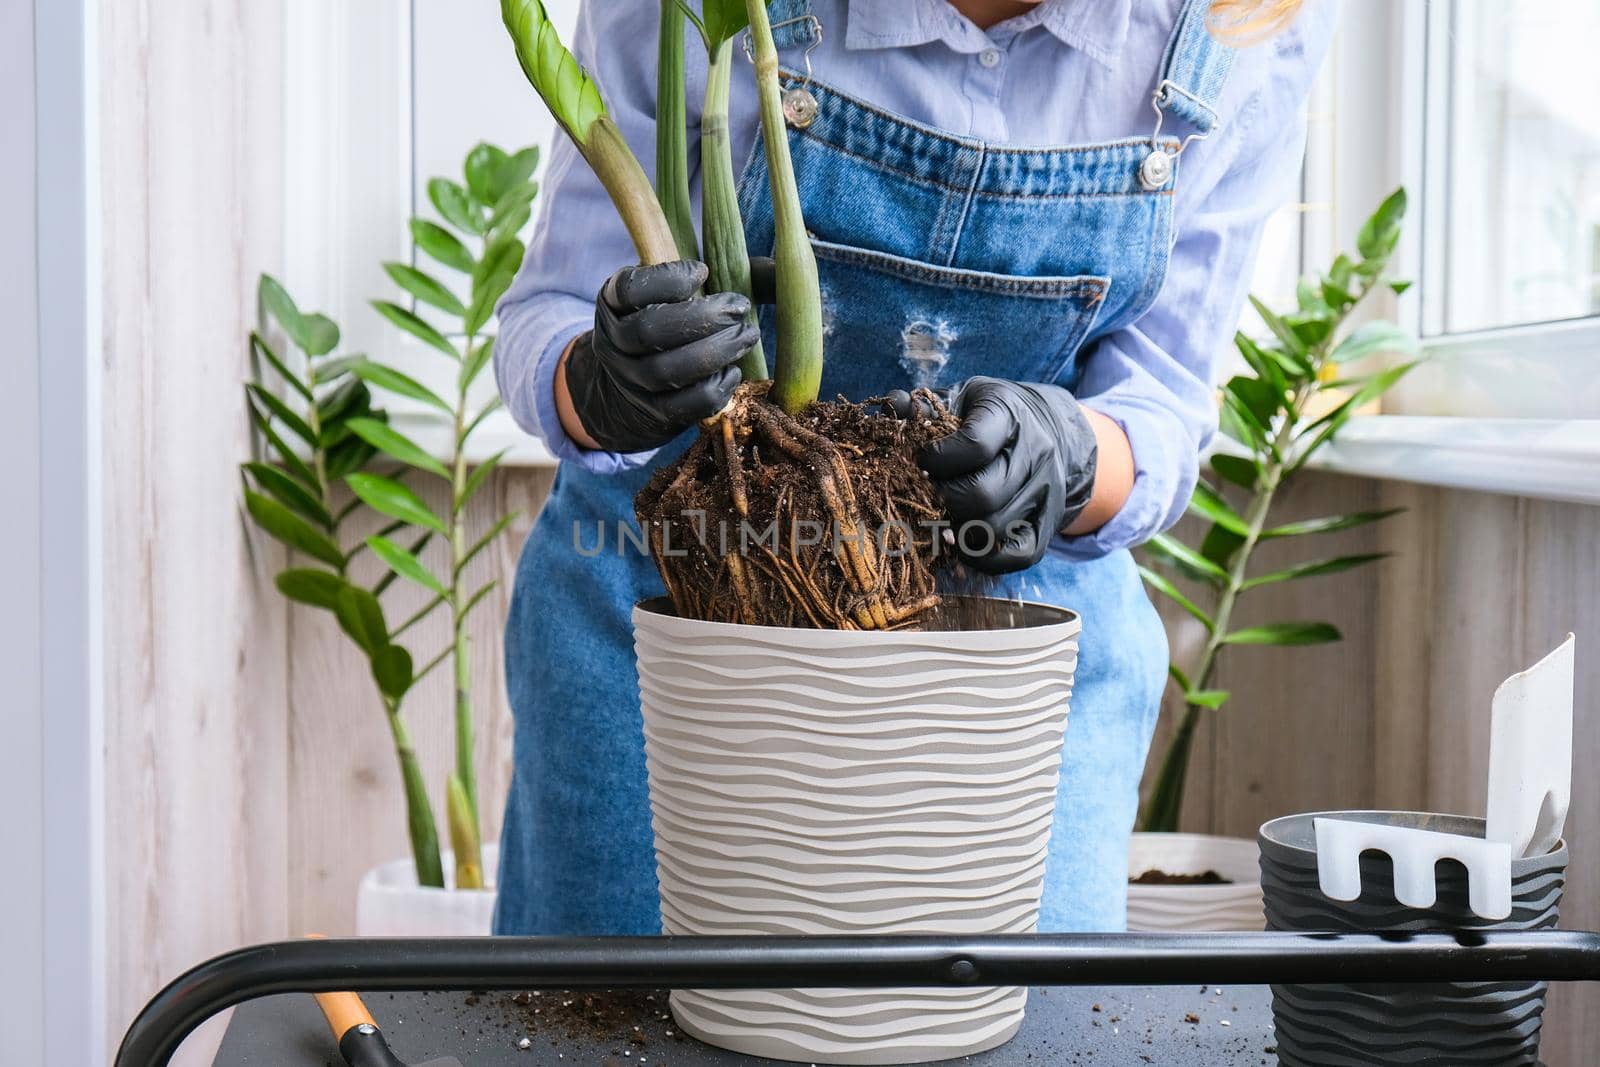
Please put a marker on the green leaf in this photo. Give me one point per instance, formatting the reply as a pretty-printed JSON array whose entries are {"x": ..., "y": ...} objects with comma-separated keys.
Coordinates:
[
  {"x": 1316, "y": 569},
  {"x": 494, "y": 404},
  {"x": 1207, "y": 698},
  {"x": 1239, "y": 470},
  {"x": 394, "y": 500},
  {"x": 1258, "y": 399},
  {"x": 455, "y": 205},
  {"x": 1308, "y": 295},
  {"x": 1161, "y": 584},
  {"x": 361, "y": 616},
  {"x": 490, "y": 279},
  {"x": 285, "y": 415},
  {"x": 555, "y": 75},
  {"x": 723, "y": 20},
  {"x": 1336, "y": 296},
  {"x": 290, "y": 493},
  {"x": 286, "y": 455},
  {"x": 1220, "y": 544},
  {"x": 415, "y": 327},
  {"x": 1398, "y": 286},
  {"x": 1311, "y": 329},
  {"x": 441, "y": 244},
  {"x": 1177, "y": 675},
  {"x": 1372, "y": 338},
  {"x": 472, "y": 601},
  {"x": 319, "y": 335},
  {"x": 259, "y": 346},
  {"x": 272, "y": 296},
  {"x": 482, "y": 167},
  {"x": 346, "y": 400},
  {"x": 291, "y": 529},
  {"x": 385, "y": 439},
  {"x": 1284, "y": 633},
  {"x": 476, "y": 360},
  {"x": 486, "y": 540},
  {"x": 1333, "y": 421},
  {"x": 391, "y": 669},
  {"x": 1266, "y": 367},
  {"x": 1281, "y": 330},
  {"x": 513, "y": 173},
  {"x": 1330, "y": 524},
  {"x": 479, "y": 474},
  {"x": 347, "y": 457},
  {"x": 1208, "y": 503},
  {"x": 1186, "y": 559},
  {"x": 424, "y": 288},
  {"x": 416, "y": 548},
  {"x": 396, "y": 382},
  {"x": 1380, "y": 233},
  {"x": 405, "y": 564},
  {"x": 1342, "y": 271},
  {"x": 305, "y": 585},
  {"x": 330, "y": 369},
  {"x": 512, "y": 211}
]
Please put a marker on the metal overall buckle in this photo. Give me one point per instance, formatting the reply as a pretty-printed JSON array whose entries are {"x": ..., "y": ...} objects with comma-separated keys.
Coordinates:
[
  {"x": 1156, "y": 170},
  {"x": 799, "y": 105}
]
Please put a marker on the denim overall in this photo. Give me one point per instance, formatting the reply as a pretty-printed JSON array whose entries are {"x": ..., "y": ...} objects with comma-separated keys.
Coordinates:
[{"x": 941, "y": 257}]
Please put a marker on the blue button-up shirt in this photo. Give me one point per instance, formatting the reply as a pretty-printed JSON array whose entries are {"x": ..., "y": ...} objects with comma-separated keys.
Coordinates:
[{"x": 1066, "y": 72}]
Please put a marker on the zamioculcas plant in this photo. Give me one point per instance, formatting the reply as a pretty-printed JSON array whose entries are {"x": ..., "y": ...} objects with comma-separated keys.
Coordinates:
[
  {"x": 485, "y": 217},
  {"x": 315, "y": 439},
  {"x": 672, "y": 131},
  {"x": 799, "y": 478},
  {"x": 1298, "y": 394}
]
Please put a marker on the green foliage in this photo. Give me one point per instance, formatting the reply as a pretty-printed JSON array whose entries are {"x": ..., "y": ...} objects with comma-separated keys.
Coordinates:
[
  {"x": 326, "y": 441},
  {"x": 1289, "y": 405},
  {"x": 566, "y": 88}
]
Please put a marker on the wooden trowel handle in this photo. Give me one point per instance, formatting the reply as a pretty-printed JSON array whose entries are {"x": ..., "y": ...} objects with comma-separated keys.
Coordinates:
[{"x": 344, "y": 1011}]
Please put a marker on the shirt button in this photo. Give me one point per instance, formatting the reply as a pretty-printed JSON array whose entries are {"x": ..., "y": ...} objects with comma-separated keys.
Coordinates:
[{"x": 989, "y": 57}]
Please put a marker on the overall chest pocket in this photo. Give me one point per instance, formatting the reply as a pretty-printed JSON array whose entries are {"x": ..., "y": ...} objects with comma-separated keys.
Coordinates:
[{"x": 898, "y": 323}]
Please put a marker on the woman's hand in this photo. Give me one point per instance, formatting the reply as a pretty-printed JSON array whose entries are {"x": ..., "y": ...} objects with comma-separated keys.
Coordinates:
[
  {"x": 659, "y": 359},
  {"x": 1024, "y": 463}
]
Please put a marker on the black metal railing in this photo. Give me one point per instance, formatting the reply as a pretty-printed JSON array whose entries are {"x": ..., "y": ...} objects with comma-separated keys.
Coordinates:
[{"x": 417, "y": 964}]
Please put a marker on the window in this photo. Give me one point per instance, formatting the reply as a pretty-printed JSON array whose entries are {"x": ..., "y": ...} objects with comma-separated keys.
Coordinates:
[{"x": 1517, "y": 139}]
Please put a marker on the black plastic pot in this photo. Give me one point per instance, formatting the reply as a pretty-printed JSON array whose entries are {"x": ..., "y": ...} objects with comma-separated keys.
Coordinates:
[{"x": 1464, "y": 1024}]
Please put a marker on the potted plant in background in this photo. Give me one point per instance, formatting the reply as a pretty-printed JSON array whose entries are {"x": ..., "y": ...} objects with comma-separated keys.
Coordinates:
[
  {"x": 1303, "y": 384},
  {"x": 324, "y": 436}
]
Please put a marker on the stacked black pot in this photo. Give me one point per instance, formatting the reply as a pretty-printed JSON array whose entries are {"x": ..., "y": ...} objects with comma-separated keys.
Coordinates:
[{"x": 1463, "y": 1024}]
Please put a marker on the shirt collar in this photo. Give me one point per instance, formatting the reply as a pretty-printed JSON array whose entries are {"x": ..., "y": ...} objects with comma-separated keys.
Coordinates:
[{"x": 1097, "y": 28}]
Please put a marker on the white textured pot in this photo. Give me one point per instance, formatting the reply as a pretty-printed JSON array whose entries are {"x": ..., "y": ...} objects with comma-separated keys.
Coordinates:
[
  {"x": 828, "y": 782},
  {"x": 1236, "y": 906},
  {"x": 390, "y": 903}
]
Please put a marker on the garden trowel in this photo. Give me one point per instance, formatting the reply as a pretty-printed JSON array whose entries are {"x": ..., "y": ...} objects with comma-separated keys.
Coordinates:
[{"x": 361, "y": 1043}]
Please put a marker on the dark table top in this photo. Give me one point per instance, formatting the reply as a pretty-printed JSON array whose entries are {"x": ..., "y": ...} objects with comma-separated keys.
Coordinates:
[{"x": 1120, "y": 1027}]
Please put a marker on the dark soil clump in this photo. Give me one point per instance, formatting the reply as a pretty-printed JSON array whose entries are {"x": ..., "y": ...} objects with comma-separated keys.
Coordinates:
[
  {"x": 637, "y": 1018},
  {"x": 821, "y": 520},
  {"x": 1164, "y": 878}
]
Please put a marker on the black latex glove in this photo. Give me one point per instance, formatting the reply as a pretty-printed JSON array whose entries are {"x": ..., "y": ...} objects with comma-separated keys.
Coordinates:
[
  {"x": 1023, "y": 463},
  {"x": 659, "y": 358}
]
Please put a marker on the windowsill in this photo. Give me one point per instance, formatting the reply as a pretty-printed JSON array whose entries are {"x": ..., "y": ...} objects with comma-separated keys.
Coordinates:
[
  {"x": 497, "y": 431},
  {"x": 1551, "y": 459}
]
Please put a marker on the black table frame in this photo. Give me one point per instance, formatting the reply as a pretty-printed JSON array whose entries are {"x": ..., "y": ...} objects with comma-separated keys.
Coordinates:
[{"x": 464, "y": 964}]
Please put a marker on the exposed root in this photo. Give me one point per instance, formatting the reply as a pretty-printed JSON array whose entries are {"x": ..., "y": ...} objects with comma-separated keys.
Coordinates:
[{"x": 821, "y": 520}]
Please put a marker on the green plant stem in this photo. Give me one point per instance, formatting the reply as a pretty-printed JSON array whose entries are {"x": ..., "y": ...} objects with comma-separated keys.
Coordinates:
[
  {"x": 469, "y": 865},
  {"x": 672, "y": 137},
  {"x": 725, "y": 250},
  {"x": 799, "y": 312},
  {"x": 629, "y": 188},
  {"x": 419, "y": 812}
]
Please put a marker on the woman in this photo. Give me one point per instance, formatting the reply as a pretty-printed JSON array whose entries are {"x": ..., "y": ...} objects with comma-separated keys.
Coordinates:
[{"x": 1000, "y": 209}]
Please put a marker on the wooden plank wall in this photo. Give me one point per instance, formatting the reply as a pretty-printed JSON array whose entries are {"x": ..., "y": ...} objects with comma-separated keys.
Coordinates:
[
  {"x": 196, "y": 745},
  {"x": 1396, "y": 716}
]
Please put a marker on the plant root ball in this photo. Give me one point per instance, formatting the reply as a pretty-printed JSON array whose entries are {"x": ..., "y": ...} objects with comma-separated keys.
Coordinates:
[{"x": 820, "y": 520}]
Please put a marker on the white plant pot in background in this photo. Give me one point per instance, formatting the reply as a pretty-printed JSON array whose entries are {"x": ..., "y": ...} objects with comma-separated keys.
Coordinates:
[
  {"x": 1173, "y": 908},
  {"x": 840, "y": 782},
  {"x": 390, "y": 903}
]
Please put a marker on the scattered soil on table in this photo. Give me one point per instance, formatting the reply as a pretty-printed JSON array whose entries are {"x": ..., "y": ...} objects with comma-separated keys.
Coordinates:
[
  {"x": 1165, "y": 878},
  {"x": 821, "y": 520},
  {"x": 635, "y": 1018}
]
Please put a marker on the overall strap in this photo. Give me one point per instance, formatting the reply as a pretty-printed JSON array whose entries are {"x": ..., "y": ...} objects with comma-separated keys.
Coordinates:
[
  {"x": 793, "y": 24},
  {"x": 1194, "y": 70}
]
